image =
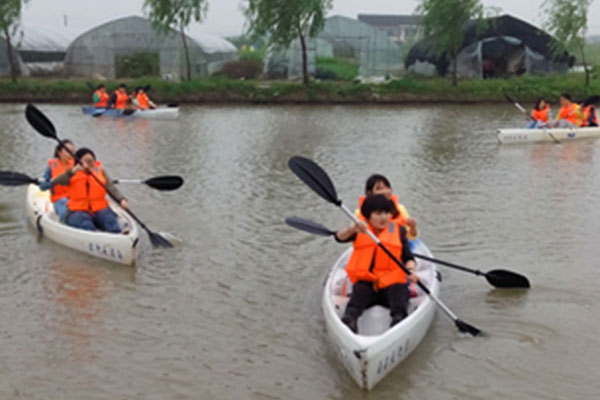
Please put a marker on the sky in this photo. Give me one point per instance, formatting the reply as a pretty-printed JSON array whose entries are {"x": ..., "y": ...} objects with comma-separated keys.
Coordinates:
[{"x": 225, "y": 17}]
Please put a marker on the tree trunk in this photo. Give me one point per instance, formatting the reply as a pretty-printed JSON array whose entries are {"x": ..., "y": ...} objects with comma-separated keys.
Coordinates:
[
  {"x": 188, "y": 64},
  {"x": 304, "y": 59},
  {"x": 585, "y": 67},
  {"x": 11, "y": 60},
  {"x": 455, "y": 70}
]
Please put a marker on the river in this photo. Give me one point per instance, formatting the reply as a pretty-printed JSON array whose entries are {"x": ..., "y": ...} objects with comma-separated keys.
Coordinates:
[{"x": 234, "y": 312}]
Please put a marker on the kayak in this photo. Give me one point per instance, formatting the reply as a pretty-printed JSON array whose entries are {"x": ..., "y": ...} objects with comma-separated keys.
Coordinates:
[
  {"x": 120, "y": 248},
  {"x": 372, "y": 353},
  {"x": 156, "y": 113},
  {"x": 557, "y": 135}
]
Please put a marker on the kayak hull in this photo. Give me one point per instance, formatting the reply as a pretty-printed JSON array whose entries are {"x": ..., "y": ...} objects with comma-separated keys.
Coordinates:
[
  {"x": 370, "y": 355},
  {"x": 157, "y": 113},
  {"x": 515, "y": 136},
  {"x": 120, "y": 248}
]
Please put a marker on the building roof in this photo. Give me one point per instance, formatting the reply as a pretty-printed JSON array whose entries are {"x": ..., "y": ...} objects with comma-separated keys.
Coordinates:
[{"x": 390, "y": 20}]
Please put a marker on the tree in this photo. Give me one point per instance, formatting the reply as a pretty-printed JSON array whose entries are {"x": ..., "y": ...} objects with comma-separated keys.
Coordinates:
[
  {"x": 567, "y": 21},
  {"x": 10, "y": 15},
  {"x": 168, "y": 14},
  {"x": 444, "y": 22},
  {"x": 282, "y": 21}
]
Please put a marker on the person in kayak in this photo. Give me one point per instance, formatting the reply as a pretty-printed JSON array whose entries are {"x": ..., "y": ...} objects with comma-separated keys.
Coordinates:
[
  {"x": 379, "y": 184},
  {"x": 590, "y": 114},
  {"x": 101, "y": 97},
  {"x": 119, "y": 99},
  {"x": 87, "y": 207},
  {"x": 539, "y": 115},
  {"x": 141, "y": 99},
  {"x": 376, "y": 278},
  {"x": 58, "y": 165},
  {"x": 569, "y": 115}
]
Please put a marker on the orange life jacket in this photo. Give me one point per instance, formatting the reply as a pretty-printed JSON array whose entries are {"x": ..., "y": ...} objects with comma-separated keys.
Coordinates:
[
  {"x": 401, "y": 219},
  {"x": 85, "y": 194},
  {"x": 121, "y": 100},
  {"x": 370, "y": 263},
  {"x": 571, "y": 114},
  {"x": 586, "y": 114},
  {"x": 143, "y": 101},
  {"x": 103, "y": 98},
  {"x": 57, "y": 168},
  {"x": 541, "y": 115}
]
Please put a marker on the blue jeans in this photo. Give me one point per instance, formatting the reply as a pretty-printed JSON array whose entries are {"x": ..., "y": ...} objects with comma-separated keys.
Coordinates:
[
  {"x": 534, "y": 124},
  {"x": 60, "y": 208},
  {"x": 105, "y": 220}
]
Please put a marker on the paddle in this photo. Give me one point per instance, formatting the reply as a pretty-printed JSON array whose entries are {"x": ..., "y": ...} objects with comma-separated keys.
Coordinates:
[
  {"x": 524, "y": 111},
  {"x": 166, "y": 182},
  {"x": 318, "y": 180},
  {"x": 44, "y": 127},
  {"x": 101, "y": 111},
  {"x": 499, "y": 277}
]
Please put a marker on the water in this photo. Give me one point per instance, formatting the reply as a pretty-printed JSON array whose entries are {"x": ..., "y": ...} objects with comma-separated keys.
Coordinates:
[{"x": 235, "y": 311}]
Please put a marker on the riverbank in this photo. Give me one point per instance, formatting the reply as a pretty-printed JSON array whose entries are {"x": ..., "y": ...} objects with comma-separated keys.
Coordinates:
[{"x": 407, "y": 89}]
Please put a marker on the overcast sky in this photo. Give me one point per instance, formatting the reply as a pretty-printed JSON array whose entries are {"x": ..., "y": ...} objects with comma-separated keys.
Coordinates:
[{"x": 225, "y": 17}]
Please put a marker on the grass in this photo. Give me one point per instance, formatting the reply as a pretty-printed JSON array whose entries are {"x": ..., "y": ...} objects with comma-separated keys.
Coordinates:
[
  {"x": 409, "y": 88},
  {"x": 343, "y": 69}
]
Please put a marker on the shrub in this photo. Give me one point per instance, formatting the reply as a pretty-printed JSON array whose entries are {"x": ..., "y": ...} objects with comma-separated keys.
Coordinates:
[
  {"x": 245, "y": 68},
  {"x": 137, "y": 65}
]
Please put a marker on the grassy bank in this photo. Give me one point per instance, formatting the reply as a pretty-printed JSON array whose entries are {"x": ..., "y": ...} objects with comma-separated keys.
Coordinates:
[{"x": 408, "y": 89}]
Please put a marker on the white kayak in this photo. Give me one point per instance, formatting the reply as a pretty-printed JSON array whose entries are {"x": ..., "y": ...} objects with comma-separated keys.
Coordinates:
[
  {"x": 156, "y": 113},
  {"x": 507, "y": 136},
  {"x": 372, "y": 353},
  {"x": 121, "y": 248}
]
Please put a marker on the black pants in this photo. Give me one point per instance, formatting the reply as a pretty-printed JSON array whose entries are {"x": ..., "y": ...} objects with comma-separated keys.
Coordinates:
[{"x": 364, "y": 296}]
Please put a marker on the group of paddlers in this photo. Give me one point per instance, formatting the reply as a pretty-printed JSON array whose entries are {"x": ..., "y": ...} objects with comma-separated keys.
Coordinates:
[
  {"x": 121, "y": 100},
  {"x": 569, "y": 115}
]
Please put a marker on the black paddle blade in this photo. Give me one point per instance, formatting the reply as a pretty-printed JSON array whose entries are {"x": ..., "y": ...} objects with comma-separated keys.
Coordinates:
[
  {"x": 128, "y": 111},
  {"x": 315, "y": 177},
  {"x": 591, "y": 100},
  {"x": 308, "y": 226},
  {"x": 507, "y": 97},
  {"x": 466, "y": 328},
  {"x": 158, "y": 241},
  {"x": 39, "y": 121},
  {"x": 165, "y": 182},
  {"x": 12, "y": 178},
  {"x": 506, "y": 279},
  {"x": 173, "y": 105}
]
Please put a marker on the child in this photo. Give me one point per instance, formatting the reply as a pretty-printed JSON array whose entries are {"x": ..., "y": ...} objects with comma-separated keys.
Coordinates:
[{"x": 376, "y": 278}]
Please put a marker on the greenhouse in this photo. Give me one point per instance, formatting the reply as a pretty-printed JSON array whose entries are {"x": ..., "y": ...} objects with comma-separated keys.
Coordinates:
[
  {"x": 345, "y": 38},
  {"x": 505, "y": 46},
  {"x": 132, "y": 47}
]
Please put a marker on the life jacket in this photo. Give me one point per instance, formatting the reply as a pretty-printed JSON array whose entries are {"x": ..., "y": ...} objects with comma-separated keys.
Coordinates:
[
  {"x": 143, "y": 101},
  {"x": 57, "y": 168},
  {"x": 370, "y": 263},
  {"x": 102, "y": 97},
  {"x": 541, "y": 115},
  {"x": 401, "y": 218},
  {"x": 587, "y": 111},
  {"x": 571, "y": 114},
  {"x": 85, "y": 194},
  {"x": 121, "y": 100}
]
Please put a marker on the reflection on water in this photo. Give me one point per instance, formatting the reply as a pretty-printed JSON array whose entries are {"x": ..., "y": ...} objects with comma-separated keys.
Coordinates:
[{"x": 235, "y": 312}]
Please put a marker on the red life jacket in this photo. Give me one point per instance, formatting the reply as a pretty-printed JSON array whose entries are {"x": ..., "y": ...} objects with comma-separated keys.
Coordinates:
[
  {"x": 57, "y": 168},
  {"x": 370, "y": 263},
  {"x": 143, "y": 101},
  {"x": 121, "y": 100},
  {"x": 85, "y": 193},
  {"x": 103, "y": 98},
  {"x": 571, "y": 114},
  {"x": 541, "y": 115}
]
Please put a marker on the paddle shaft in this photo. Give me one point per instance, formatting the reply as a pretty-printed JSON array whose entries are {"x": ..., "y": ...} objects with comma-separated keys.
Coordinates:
[
  {"x": 448, "y": 264},
  {"x": 445, "y": 309}
]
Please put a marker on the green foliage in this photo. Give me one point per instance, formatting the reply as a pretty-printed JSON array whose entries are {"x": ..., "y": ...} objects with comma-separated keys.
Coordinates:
[
  {"x": 283, "y": 21},
  {"x": 10, "y": 15},
  {"x": 567, "y": 21},
  {"x": 137, "y": 65},
  {"x": 336, "y": 68},
  {"x": 444, "y": 21},
  {"x": 167, "y": 14},
  {"x": 242, "y": 69}
]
